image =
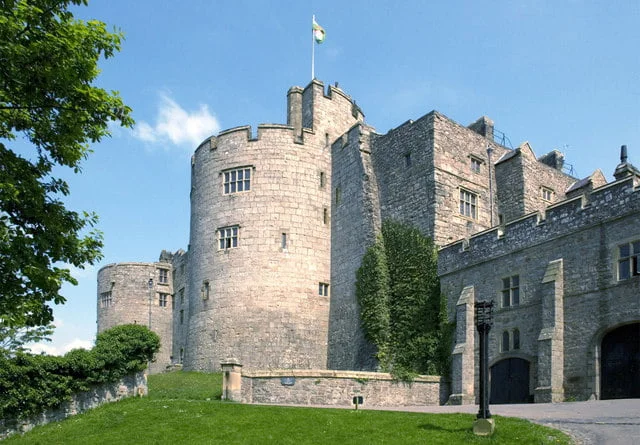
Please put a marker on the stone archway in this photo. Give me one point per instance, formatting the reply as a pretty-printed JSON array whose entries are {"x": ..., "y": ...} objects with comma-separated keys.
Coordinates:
[
  {"x": 620, "y": 363},
  {"x": 510, "y": 381}
]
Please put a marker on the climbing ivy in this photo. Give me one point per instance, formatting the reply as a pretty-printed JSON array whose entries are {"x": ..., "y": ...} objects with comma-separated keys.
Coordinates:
[{"x": 403, "y": 312}]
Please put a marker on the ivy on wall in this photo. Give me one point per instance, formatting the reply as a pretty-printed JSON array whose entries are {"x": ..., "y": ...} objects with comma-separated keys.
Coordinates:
[{"x": 402, "y": 310}]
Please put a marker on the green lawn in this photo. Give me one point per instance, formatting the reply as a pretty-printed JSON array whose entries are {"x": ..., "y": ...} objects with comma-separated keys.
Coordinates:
[{"x": 185, "y": 408}]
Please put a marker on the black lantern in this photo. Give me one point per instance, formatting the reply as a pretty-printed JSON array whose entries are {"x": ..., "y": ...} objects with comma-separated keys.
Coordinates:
[{"x": 484, "y": 321}]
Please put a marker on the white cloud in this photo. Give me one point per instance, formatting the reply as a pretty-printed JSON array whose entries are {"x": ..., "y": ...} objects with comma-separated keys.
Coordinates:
[
  {"x": 50, "y": 349},
  {"x": 178, "y": 126}
]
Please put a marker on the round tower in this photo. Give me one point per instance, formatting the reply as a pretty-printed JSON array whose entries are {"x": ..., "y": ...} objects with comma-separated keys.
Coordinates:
[
  {"x": 260, "y": 238},
  {"x": 138, "y": 293}
]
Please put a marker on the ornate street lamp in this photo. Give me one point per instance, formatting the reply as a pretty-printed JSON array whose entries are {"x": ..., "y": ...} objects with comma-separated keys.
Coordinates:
[{"x": 484, "y": 320}]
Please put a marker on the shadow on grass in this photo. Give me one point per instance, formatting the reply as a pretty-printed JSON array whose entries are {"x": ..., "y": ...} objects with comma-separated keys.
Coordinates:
[{"x": 436, "y": 427}]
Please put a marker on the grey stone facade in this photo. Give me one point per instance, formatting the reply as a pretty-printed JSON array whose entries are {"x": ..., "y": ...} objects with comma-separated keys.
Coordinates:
[{"x": 280, "y": 222}]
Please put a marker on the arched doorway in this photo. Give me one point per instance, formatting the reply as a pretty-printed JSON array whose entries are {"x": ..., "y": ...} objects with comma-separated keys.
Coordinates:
[
  {"x": 620, "y": 363},
  {"x": 510, "y": 381}
]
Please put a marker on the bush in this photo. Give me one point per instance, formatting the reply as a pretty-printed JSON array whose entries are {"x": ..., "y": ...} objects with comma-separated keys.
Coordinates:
[
  {"x": 402, "y": 310},
  {"x": 30, "y": 384}
]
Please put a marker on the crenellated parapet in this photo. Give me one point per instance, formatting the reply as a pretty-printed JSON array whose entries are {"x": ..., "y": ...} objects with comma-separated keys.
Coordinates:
[{"x": 600, "y": 205}]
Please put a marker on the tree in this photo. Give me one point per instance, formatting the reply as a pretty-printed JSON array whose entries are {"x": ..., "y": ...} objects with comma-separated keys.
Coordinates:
[
  {"x": 48, "y": 65},
  {"x": 402, "y": 309}
]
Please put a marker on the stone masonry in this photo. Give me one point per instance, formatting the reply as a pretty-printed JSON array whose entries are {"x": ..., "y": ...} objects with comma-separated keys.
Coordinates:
[{"x": 280, "y": 220}]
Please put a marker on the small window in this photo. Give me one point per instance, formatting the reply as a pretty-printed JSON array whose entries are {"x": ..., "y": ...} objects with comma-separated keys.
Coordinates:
[
  {"x": 338, "y": 195},
  {"x": 546, "y": 194},
  {"x": 476, "y": 165},
  {"x": 106, "y": 299},
  {"x": 516, "y": 339},
  {"x": 468, "y": 204},
  {"x": 325, "y": 216},
  {"x": 163, "y": 276},
  {"x": 322, "y": 180},
  {"x": 162, "y": 299},
  {"x": 181, "y": 357},
  {"x": 505, "y": 341},
  {"x": 326, "y": 139},
  {"x": 511, "y": 291},
  {"x": 206, "y": 290},
  {"x": 228, "y": 238},
  {"x": 283, "y": 241},
  {"x": 628, "y": 255},
  {"x": 181, "y": 316},
  {"x": 181, "y": 295},
  {"x": 407, "y": 160},
  {"x": 323, "y": 289},
  {"x": 237, "y": 180}
]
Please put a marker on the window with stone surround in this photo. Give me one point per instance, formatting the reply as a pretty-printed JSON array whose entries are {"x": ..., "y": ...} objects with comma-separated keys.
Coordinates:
[
  {"x": 338, "y": 195},
  {"x": 237, "y": 180},
  {"x": 323, "y": 289},
  {"x": 628, "y": 259},
  {"x": 206, "y": 290},
  {"x": 475, "y": 164},
  {"x": 163, "y": 276},
  {"x": 106, "y": 299},
  {"x": 468, "y": 204},
  {"x": 407, "y": 160},
  {"x": 505, "y": 342},
  {"x": 516, "y": 339},
  {"x": 546, "y": 193},
  {"x": 228, "y": 237},
  {"x": 162, "y": 299},
  {"x": 511, "y": 291},
  {"x": 181, "y": 295}
]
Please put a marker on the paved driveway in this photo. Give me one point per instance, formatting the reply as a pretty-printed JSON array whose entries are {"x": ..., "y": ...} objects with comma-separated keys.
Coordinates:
[{"x": 590, "y": 423}]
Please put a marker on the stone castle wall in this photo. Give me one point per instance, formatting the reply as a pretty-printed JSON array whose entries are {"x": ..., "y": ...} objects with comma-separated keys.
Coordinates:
[
  {"x": 560, "y": 327},
  {"x": 355, "y": 222},
  {"x": 338, "y": 388},
  {"x": 133, "y": 302},
  {"x": 260, "y": 301}
]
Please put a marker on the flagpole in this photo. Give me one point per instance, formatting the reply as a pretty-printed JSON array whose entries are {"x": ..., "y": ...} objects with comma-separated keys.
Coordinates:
[{"x": 313, "y": 51}]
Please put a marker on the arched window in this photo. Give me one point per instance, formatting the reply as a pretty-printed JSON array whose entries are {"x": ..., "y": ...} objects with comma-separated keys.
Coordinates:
[
  {"x": 516, "y": 339},
  {"x": 505, "y": 341}
]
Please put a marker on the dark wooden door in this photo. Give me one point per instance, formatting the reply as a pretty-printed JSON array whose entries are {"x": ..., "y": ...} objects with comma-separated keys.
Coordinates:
[
  {"x": 620, "y": 363},
  {"x": 510, "y": 381}
]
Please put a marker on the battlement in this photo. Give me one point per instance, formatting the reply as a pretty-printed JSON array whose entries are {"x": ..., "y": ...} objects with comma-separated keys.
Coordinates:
[{"x": 605, "y": 203}]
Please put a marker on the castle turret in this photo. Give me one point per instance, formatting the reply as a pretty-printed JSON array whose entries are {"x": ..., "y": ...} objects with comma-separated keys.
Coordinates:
[
  {"x": 258, "y": 275},
  {"x": 138, "y": 293}
]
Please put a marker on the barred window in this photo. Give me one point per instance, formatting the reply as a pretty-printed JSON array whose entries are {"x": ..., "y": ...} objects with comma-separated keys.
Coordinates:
[
  {"x": 323, "y": 289},
  {"x": 237, "y": 180},
  {"x": 468, "y": 204},
  {"x": 106, "y": 299},
  {"x": 228, "y": 237},
  {"x": 511, "y": 291},
  {"x": 162, "y": 299},
  {"x": 163, "y": 276},
  {"x": 628, "y": 255}
]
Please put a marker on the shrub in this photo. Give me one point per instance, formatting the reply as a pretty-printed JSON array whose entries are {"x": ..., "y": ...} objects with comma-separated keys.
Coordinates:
[{"x": 30, "y": 384}]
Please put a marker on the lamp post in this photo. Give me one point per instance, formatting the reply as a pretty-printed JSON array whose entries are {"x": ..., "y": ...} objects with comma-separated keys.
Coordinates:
[
  {"x": 150, "y": 299},
  {"x": 484, "y": 320}
]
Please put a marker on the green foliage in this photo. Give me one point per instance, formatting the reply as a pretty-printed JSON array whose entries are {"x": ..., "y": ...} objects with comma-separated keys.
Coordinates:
[
  {"x": 402, "y": 309},
  {"x": 30, "y": 384},
  {"x": 48, "y": 64},
  {"x": 13, "y": 339}
]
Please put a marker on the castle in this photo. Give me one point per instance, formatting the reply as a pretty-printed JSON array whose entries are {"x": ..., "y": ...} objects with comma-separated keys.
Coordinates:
[{"x": 280, "y": 222}]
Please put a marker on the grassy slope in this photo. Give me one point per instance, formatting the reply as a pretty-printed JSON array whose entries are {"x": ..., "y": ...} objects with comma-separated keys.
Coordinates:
[{"x": 185, "y": 408}]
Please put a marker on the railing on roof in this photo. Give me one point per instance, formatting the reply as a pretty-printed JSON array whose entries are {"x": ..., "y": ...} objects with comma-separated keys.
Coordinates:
[{"x": 501, "y": 138}]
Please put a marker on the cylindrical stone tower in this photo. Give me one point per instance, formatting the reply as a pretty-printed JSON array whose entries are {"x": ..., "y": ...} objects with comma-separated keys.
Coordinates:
[
  {"x": 138, "y": 293},
  {"x": 259, "y": 257}
]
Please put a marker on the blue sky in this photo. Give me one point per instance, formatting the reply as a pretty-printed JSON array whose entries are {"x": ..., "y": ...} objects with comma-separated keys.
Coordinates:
[{"x": 561, "y": 74}]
